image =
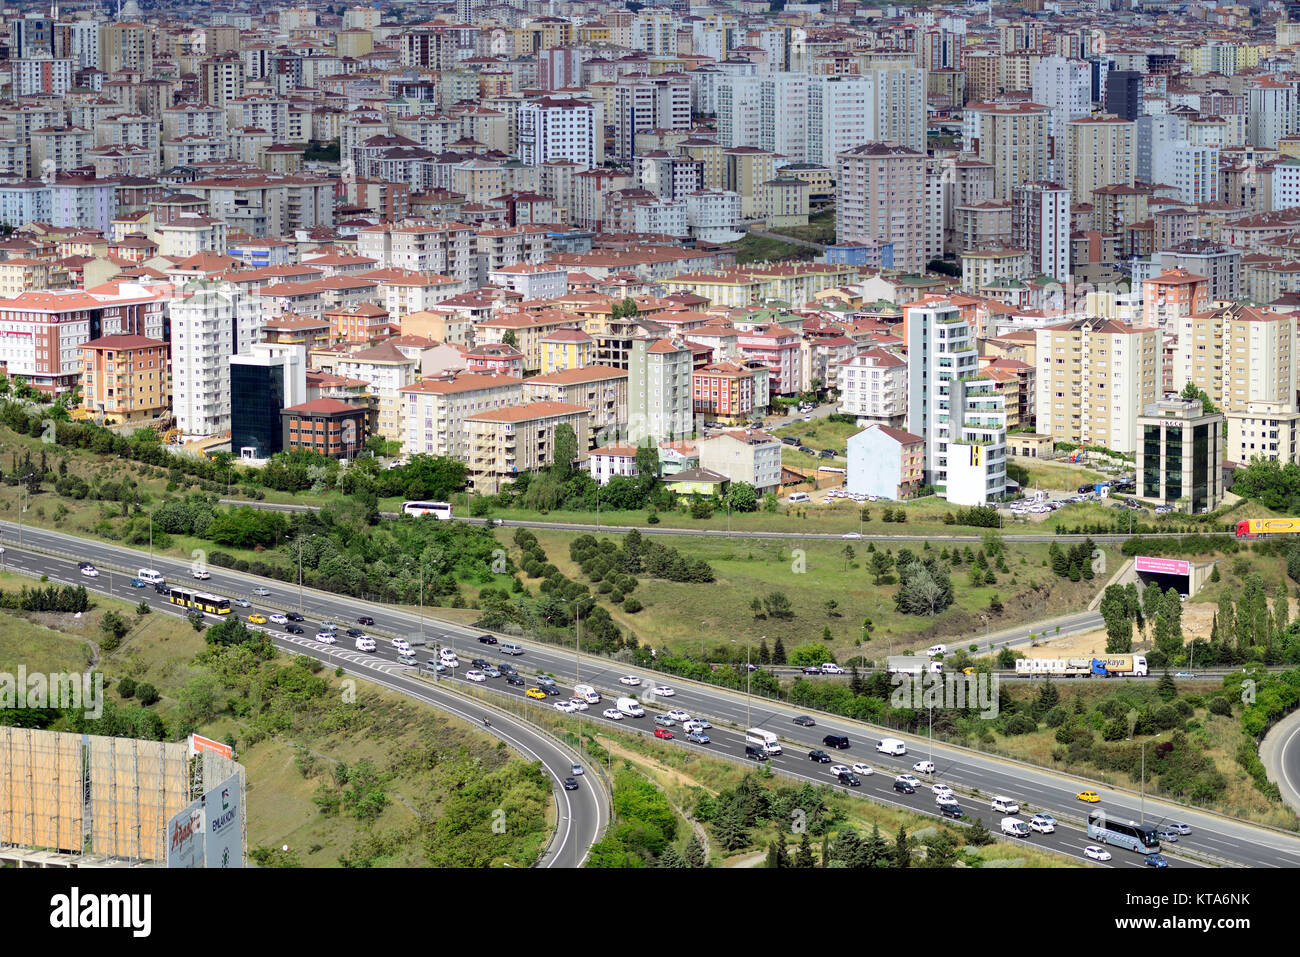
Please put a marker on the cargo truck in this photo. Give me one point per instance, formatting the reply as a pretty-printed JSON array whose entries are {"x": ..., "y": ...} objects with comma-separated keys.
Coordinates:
[{"x": 914, "y": 665}]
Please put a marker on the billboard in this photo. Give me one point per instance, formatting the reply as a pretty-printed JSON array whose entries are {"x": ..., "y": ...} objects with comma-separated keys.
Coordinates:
[
  {"x": 185, "y": 837},
  {"x": 198, "y": 744},
  {"x": 1162, "y": 566},
  {"x": 223, "y": 811}
]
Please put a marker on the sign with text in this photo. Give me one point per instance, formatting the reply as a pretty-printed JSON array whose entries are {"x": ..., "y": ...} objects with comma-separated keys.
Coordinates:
[
  {"x": 223, "y": 837},
  {"x": 1161, "y": 566}
]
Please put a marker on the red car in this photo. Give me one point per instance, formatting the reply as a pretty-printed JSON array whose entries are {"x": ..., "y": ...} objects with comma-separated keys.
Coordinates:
[{"x": 663, "y": 733}]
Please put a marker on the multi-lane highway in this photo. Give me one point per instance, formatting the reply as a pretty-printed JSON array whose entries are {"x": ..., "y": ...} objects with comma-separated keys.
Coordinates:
[
  {"x": 582, "y": 814},
  {"x": 973, "y": 775}
]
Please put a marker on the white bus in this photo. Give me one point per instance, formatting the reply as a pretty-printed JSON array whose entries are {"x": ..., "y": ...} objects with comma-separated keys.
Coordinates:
[
  {"x": 764, "y": 739},
  {"x": 439, "y": 510}
]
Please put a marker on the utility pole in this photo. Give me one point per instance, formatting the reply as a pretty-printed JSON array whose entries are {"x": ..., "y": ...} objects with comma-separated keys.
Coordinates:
[{"x": 299, "y": 544}]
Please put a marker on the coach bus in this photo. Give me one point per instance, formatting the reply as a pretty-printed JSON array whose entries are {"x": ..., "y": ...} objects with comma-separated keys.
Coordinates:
[
  {"x": 200, "y": 600},
  {"x": 1135, "y": 837},
  {"x": 439, "y": 510}
]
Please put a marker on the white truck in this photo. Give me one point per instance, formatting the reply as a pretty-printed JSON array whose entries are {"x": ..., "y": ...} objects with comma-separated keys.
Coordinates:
[
  {"x": 630, "y": 707},
  {"x": 914, "y": 665},
  {"x": 587, "y": 693},
  {"x": 764, "y": 739},
  {"x": 1015, "y": 827}
]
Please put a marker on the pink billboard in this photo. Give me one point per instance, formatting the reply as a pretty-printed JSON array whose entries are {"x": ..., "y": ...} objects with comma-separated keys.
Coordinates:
[{"x": 1162, "y": 566}]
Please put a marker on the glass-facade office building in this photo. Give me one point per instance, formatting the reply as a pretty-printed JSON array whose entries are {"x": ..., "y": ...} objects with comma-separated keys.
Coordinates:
[{"x": 256, "y": 398}]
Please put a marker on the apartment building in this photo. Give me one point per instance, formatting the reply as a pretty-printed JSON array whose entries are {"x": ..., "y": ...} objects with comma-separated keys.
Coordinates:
[
  {"x": 1264, "y": 430},
  {"x": 1237, "y": 355},
  {"x": 1094, "y": 378},
  {"x": 388, "y": 370},
  {"x": 207, "y": 328},
  {"x": 434, "y": 411},
  {"x": 1012, "y": 139},
  {"x": 886, "y": 462},
  {"x": 730, "y": 391},
  {"x": 601, "y": 390},
  {"x": 660, "y": 407},
  {"x": 125, "y": 379},
  {"x": 744, "y": 455},
  {"x": 873, "y": 387},
  {"x": 881, "y": 198},
  {"x": 506, "y": 442}
]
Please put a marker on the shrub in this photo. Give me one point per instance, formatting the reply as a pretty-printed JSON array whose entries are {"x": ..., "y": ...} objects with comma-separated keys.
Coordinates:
[
  {"x": 147, "y": 693},
  {"x": 631, "y": 605},
  {"x": 126, "y": 687}
]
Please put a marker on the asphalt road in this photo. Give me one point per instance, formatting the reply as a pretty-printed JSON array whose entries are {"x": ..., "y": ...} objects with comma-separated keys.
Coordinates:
[
  {"x": 581, "y": 815},
  {"x": 1216, "y": 838}
]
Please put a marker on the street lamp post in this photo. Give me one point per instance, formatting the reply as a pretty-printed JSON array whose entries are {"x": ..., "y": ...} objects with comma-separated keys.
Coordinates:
[{"x": 20, "y": 516}]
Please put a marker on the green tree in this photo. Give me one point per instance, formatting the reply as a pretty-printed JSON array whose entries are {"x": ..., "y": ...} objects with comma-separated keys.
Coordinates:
[
  {"x": 510, "y": 339},
  {"x": 566, "y": 450},
  {"x": 742, "y": 497},
  {"x": 1192, "y": 391},
  {"x": 804, "y": 856},
  {"x": 694, "y": 852},
  {"x": 881, "y": 564},
  {"x": 902, "y": 853}
]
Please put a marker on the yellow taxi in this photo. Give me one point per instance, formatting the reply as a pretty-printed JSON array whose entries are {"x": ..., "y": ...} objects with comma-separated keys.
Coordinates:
[
  {"x": 1089, "y": 797},
  {"x": 537, "y": 693},
  {"x": 256, "y": 619},
  {"x": 968, "y": 671}
]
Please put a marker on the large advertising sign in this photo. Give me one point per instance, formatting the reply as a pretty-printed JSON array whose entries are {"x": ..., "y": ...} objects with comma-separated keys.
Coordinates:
[
  {"x": 185, "y": 837},
  {"x": 199, "y": 743},
  {"x": 1162, "y": 566},
  {"x": 223, "y": 844}
]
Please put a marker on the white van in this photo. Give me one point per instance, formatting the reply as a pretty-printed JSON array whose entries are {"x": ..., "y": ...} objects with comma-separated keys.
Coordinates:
[
  {"x": 798, "y": 497},
  {"x": 1005, "y": 804},
  {"x": 763, "y": 739},
  {"x": 150, "y": 576},
  {"x": 629, "y": 707},
  {"x": 936, "y": 650},
  {"x": 1015, "y": 827},
  {"x": 365, "y": 644},
  {"x": 510, "y": 648},
  {"x": 891, "y": 746},
  {"x": 587, "y": 693}
]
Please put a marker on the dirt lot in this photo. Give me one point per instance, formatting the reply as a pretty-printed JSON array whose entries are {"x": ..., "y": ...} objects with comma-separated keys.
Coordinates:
[{"x": 1198, "y": 617}]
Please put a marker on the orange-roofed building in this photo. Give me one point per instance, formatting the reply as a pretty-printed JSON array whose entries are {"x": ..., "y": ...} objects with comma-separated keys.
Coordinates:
[
  {"x": 1173, "y": 294},
  {"x": 328, "y": 426},
  {"x": 125, "y": 378},
  {"x": 504, "y": 443}
]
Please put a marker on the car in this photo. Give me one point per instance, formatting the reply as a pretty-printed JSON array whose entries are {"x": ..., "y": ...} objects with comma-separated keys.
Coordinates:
[
  {"x": 487, "y": 639},
  {"x": 630, "y": 681},
  {"x": 951, "y": 809},
  {"x": 1167, "y": 836},
  {"x": 677, "y": 714},
  {"x": 276, "y": 619},
  {"x": 902, "y": 787},
  {"x": 536, "y": 693},
  {"x": 1093, "y": 852},
  {"x": 1046, "y": 817},
  {"x": 909, "y": 779},
  {"x": 90, "y": 571},
  {"x": 570, "y": 784},
  {"x": 663, "y": 691},
  {"x": 402, "y": 645},
  {"x": 257, "y": 618},
  {"x": 355, "y": 633},
  {"x": 137, "y": 583},
  {"x": 294, "y": 616},
  {"x": 365, "y": 620},
  {"x": 1042, "y": 823},
  {"x": 697, "y": 737},
  {"x": 804, "y": 721},
  {"x": 941, "y": 789},
  {"x": 852, "y": 535},
  {"x": 839, "y": 769},
  {"x": 241, "y": 602},
  {"x": 261, "y": 590},
  {"x": 491, "y": 672},
  {"x": 1088, "y": 797},
  {"x": 701, "y": 723},
  {"x": 506, "y": 668},
  {"x": 830, "y": 668},
  {"x": 406, "y": 658},
  {"x": 819, "y": 755},
  {"x": 85, "y": 565},
  {"x": 613, "y": 714},
  {"x": 1185, "y": 674},
  {"x": 550, "y": 689},
  {"x": 849, "y": 778},
  {"x": 812, "y": 670},
  {"x": 326, "y": 637},
  {"x": 576, "y": 769},
  {"x": 478, "y": 662},
  {"x": 475, "y": 676},
  {"x": 510, "y": 679},
  {"x": 202, "y": 574},
  {"x": 1177, "y": 828},
  {"x": 945, "y": 798},
  {"x": 664, "y": 721},
  {"x": 1155, "y": 860},
  {"x": 923, "y": 767},
  {"x": 564, "y": 706},
  {"x": 293, "y": 629},
  {"x": 663, "y": 733},
  {"x": 579, "y": 704},
  {"x": 865, "y": 770}
]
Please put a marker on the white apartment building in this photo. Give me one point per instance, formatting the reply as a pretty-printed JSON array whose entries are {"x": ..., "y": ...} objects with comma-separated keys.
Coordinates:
[
  {"x": 873, "y": 387},
  {"x": 841, "y": 115},
  {"x": 1265, "y": 430},
  {"x": 1064, "y": 86},
  {"x": 641, "y": 102},
  {"x": 713, "y": 214},
  {"x": 388, "y": 370},
  {"x": 1040, "y": 224},
  {"x": 769, "y": 112},
  {"x": 662, "y": 217},
  {"x": 42, "y": 76},
  {"x": 207, "y": 328},
  {"x": 554, "y": 128},
  {"x": 1193, "y": 170}
]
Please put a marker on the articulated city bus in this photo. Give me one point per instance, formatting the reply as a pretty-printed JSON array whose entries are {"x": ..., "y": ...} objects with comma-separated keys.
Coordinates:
[{"x": 200, "y": 600}]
